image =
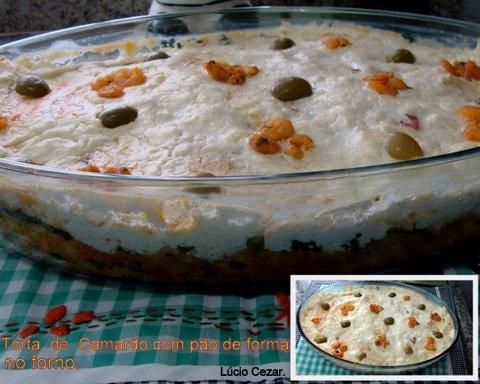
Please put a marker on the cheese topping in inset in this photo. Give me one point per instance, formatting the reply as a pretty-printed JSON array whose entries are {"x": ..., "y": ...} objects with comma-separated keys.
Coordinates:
[{"x": 376, "y": 324}]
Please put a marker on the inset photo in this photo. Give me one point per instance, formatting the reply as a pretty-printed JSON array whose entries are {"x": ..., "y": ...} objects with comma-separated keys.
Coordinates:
[{"x": 384, "y": 327}]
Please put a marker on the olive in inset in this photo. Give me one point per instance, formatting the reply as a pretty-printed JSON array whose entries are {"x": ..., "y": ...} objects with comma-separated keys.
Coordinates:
[
  {"x": 325, "y": 306},
  {"x": 291, "y": 88},
  {"x": 32, "y": 86},
  {"x": 388, "y": 320},
  {"x": 437, "y": 334},
  {"x": 421, "y": 307},
  {"x": 402, "y": 56},
  {"x": 403, "y": 147},
  {"x": 118, "y": 116},
  {"x": 283, "y": 43},
  {"x": 408, "y": 350},
  {"x": 361, "y": 356},
  {"x": 345, "y": 323},
  {"x": 160, "y": 55},
  {"x": 321, "y": 339}
]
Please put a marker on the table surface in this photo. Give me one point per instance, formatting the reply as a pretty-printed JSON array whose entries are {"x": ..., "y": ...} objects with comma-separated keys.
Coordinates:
[{"x": 124, "y": 311}]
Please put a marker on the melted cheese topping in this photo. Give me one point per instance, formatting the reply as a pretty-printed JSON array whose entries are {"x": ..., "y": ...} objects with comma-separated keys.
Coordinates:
[
  {"x": 412, "y": 338},
  {"x": 188, "y": 123}
]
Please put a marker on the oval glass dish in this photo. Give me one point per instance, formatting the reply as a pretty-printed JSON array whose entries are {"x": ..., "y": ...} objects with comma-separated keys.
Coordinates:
[
  {"x": 378, "y": 369},
  {"x": 251, "y": 228}
]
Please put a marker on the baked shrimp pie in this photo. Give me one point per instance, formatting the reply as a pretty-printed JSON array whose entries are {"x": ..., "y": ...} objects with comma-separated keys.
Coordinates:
[
  {"x": 159, "y": 158},
  {"x": 376, "y": 324}
]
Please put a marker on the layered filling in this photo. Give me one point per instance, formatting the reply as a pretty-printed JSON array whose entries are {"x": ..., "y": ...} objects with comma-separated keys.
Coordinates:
[
  {"x": 289, "y": 99},
  {"x": 253, "y": 264}
]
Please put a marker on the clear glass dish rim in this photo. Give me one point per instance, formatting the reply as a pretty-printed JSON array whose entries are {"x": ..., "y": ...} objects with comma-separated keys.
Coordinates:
[
  {"x": 136, "y": 180},
  {"x": 386, "y": 369}
]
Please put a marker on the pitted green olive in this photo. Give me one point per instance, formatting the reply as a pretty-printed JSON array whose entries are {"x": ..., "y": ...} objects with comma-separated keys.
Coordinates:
[
  {"x": 361, "y": 356},
  {"x": 283, "y": 43},
  {"x": 321, "y": 339},
  {"x": 437, "y": 334},
  {"x": 392, "y": 294},
  {"x": 325, "y": 306},
  {"x": 402, "y": 56},
  {"x": 421, "y": 307},
  {"x": 388, "y": 320},
  {"x": 32, "y": 86},
  {"x": 291, "y": 88},
  {"x": 403, "y": 147},
  {"x": 205, "y": 190},
  {"x": 357, "y": 294},
  {"x": 408, "y": 350},
  {"x": 345, "y": 323},
  {"x": 118, "y": 116}
]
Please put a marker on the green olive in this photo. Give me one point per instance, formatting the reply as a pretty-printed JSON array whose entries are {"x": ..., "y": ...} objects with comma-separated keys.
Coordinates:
[
  {"x": 32, "y": 86},
  {"x": 321, "y": 339},
  {"x": 205, "y": 190},
  {"x": 402, "y": 56},
  {"x": 291, "y": 88},
  {"x": 160, "y": 55},
  {"x": 283, "y": 43},
  {"x": 388, "y": 320},
  {"x": 403, "y": 147},
  {"x": 421, "y": 307},
  {"x": 437, "y": 334},
  {"x": 325, "y": 306},
  {"x": 392, "y": 294},
  {"x": 357, "y": 294},
  {"x": 118, "y": 116},
  {"x": 361, "y": 356},
  {"x": 345, "y": 323},
  {"x": 408, "y": 350}
]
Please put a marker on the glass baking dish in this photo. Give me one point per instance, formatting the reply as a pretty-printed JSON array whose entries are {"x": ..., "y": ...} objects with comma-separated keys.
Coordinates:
[
  {"x": 375, "y": 369},
  {"x": 250, "y": 228}
]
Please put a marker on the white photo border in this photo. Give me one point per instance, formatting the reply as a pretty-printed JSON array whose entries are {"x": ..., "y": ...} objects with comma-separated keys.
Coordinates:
[{"x": 293, "y": 323}]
